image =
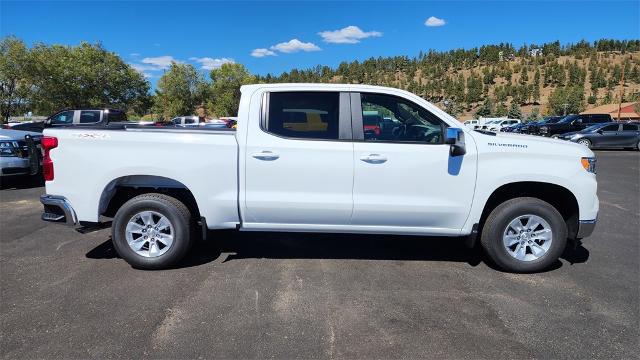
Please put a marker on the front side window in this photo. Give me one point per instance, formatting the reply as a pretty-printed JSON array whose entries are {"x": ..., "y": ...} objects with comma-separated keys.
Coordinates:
[
  {"x": 307, "y": 115},
  {"x": 89, "y": 116},
  {"x": 189, "y": 120},
  {"x": 65, "y": 117},
  {"x": 392, "y": 119}
]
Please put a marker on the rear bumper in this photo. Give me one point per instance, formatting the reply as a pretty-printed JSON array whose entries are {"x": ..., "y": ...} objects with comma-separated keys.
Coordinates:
[
  {"x": 57, "y": 209},
  {"x": 585, "y": 228}
]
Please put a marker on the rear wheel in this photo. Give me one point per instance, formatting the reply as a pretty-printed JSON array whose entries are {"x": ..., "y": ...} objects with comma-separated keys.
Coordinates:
[
  {"x": 524, "y": 235},
  {"x": 151, "y": 231},
  {"x": 585, "y": 142}
]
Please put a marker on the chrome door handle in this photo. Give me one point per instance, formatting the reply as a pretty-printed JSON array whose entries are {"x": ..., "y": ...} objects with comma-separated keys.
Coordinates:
[
  {"x": 266, "y": 155},
  {"x": 374, "y": 159}
]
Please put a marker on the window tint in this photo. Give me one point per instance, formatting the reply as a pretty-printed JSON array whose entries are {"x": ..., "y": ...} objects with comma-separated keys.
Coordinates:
[
  {"x": 389, "y": 118},
  {"x": 189, "y": 120},
  {"x": 117, "y": 116},
  {"x": 309, "y": 115},
  {"x": 612, "y": 127},
  {"x": 89, "y": 116},
  {"x": 600, "y": 118},
  {"x": 629, "y": 127},
  {"x": 65, "y": 117}
]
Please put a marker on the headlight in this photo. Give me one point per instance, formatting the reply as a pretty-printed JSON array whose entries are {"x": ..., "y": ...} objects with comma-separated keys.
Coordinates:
[
  {"x": 9, "y": 148},
  {"x": 589, "y": 164}
]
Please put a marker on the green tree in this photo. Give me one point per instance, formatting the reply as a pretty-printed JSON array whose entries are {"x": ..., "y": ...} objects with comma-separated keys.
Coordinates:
[
  {"x": 534, "y": 115},
  {"x": 225, "y": 88},
  {"x": 501, "y": 110},
  {"x": 514, "y": 111},
  {"x": 486, "y": 109},
  {"x": 567, "y": 100},
  {"x": 82, "y": 76},
  {"x": 179, "y": 91},
  {"x": 14, "y": 86}
]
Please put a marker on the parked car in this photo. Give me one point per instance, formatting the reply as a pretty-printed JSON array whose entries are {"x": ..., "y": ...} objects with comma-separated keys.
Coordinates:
[
  {"x": 17, "y": 155},
  {"x": 471, "y": 124},
  {"x": 533, "y": 127},
  {"x": 607, "y": 135},
  {"x": 300, "y": 161},
  {"x": 572, "y": 123},
  {"x": 515, "y": 128},
  {"x": 497, "y": 125},
  {"x": 71, "y": 117}
]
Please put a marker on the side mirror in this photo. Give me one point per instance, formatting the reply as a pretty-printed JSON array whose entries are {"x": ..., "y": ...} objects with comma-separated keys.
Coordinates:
[{"x": 455, "y": 138}]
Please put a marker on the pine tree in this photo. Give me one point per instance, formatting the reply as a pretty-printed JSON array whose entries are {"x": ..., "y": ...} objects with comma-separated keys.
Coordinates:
[{"x": 514, "y": 111}]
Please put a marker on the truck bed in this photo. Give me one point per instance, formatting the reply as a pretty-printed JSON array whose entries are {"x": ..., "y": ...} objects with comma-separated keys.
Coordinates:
[{"x": 90, "y": 162}]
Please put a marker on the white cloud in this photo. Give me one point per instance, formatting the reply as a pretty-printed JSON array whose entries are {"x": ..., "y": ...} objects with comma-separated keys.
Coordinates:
[
  {"x": 348, "y": 35},
  {"x": 262, "y": 53},
  {"x": 160, "y": 62},
  {"x": 295, "y": 45},
  {"x": 434, "y": 21},
  {"x": 211, "y": 63}
]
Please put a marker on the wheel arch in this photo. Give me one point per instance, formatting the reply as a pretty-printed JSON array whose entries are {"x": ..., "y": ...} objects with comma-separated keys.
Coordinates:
[
  {"x": 557, "y": 196},
  {"x": 120, "y": 190}
]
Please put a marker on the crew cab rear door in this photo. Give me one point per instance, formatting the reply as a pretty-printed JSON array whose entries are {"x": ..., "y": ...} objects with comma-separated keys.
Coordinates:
[
  {"x": 407, "y": 181},
  {"x": 299, "y": 162}
]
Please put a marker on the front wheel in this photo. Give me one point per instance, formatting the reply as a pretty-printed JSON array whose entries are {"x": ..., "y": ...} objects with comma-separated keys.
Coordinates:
[
  {"x": 585, "y": 142},
  {"x": 524, "y": 235},
  {"x": 555, "y": 136},
  {"x": 151, "y": 231}
]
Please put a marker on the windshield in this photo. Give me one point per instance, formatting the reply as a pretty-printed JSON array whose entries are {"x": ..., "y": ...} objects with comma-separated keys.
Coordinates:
[
  {"x": 593, "y": 127},
  {"x": 568, "y": 119}
]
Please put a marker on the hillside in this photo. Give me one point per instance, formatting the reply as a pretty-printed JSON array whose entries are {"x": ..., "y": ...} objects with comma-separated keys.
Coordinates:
[{"x": 498, "y": 79}]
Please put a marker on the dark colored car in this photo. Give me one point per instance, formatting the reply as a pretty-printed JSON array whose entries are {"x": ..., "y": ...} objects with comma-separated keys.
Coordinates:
[
  {"x": 607, "y": 135},
  {"x": 572, "y": 123},
  {"x": 72, "y": 117},
  {"x": 515, "y": 128},
  {"x": 533, "y": 127}
]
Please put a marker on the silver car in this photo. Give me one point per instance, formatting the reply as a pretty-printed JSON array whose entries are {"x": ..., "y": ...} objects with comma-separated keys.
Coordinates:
[{"x": 17, "y": 157}]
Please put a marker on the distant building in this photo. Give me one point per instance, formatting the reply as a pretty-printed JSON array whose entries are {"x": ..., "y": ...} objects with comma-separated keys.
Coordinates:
[
  {"x": 627, "y": 111},
  {"x": 535, "y": 52}
]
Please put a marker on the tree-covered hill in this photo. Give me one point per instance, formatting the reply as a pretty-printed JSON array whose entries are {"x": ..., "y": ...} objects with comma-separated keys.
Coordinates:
[{"x": 494, "y": 80}]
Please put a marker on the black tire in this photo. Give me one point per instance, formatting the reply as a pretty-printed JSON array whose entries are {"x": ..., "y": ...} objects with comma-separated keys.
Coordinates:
[
  {"x": 174, "y": 210},
  {"x": 555, "y": 136},
  {"x": 585, "y": 142},
  {"x": 501, "y": 216}
]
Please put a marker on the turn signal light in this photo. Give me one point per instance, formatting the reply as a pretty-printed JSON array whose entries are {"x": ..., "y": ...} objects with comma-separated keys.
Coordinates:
[{"x": 589, "y": 164}]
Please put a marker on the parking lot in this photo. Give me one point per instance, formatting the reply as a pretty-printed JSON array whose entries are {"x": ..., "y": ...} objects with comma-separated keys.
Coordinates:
[{"x": 256, "y": 295}]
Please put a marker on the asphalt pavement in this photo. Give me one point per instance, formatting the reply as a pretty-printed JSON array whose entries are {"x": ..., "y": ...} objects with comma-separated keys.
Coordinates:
[{"x": 257, "y": 295}]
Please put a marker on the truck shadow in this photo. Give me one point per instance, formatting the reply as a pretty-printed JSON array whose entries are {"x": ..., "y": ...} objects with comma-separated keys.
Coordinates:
[
  {"x": 225, "y": 246},
  {"x": 21, "y": 182}
]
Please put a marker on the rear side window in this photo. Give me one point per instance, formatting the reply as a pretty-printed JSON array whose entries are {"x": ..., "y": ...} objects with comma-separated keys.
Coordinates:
[
  {"x": 189, "y": 120},
  {"x": 600, "y": 118},
  {"x": 613, "y": 127},
  {"x": 117, "y": 116},
  {"x": 89, "y": 116},
  {"x": 307, "y": 115},
  {"x": 629, "y": 127}
]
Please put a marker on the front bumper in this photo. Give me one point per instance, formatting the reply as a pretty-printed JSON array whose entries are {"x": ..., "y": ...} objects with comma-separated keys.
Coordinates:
[
  {"x": 585, "y": 228},
  {"x": 57, "y": 209}
]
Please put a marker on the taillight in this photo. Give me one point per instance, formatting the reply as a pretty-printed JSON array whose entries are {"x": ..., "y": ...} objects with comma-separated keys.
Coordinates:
[{"x": 48, "y": 143}]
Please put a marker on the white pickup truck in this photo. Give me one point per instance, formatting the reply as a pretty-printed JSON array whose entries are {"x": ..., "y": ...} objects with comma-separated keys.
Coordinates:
[{"x": 301, "y": 161}]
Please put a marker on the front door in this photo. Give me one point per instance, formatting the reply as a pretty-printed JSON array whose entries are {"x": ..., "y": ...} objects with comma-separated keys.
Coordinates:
[
  {"x": 299, "y": 165},
  {"x": 405, "y": 177}
]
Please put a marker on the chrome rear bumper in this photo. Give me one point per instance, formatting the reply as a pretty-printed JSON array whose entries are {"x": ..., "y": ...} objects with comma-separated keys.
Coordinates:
[
  {"x": 58, "y": 209},
  {"x": 585, "y": 228}
]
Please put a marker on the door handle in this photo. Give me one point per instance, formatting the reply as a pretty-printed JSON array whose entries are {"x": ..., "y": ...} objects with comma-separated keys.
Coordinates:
[
  {"x": 266, "y": 155},
  {"x": 374, "y": 159}
]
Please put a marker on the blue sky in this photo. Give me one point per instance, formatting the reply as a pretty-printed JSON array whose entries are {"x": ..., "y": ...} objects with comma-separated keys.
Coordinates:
[{"x": 272, "y": 37}]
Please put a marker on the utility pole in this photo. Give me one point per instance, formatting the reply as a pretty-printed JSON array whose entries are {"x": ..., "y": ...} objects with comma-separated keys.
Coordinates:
[{"x": 621, "y": 91}]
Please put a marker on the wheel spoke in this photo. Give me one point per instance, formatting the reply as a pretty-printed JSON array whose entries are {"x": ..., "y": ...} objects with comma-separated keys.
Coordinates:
[
  {"x": 134, "y": 227},
  {"x": 165, "y": 239},
  {"x": 537, "y": 250},
  {"x": 533, "y": 224},
  {"x": 153, "y": 250},
  {"x": 147, "y": 218},
  {"x": 138, "y": 243},
  {"x": 511, "y": 239},
  {"x": 521, "y": 252},
  {"x": 163, "y": 223}
]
